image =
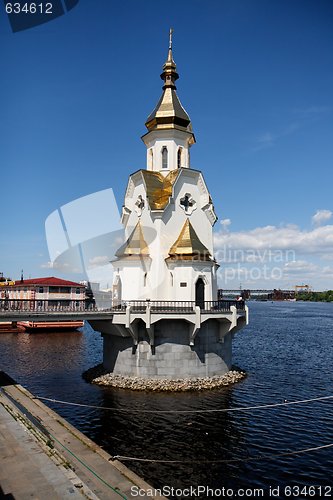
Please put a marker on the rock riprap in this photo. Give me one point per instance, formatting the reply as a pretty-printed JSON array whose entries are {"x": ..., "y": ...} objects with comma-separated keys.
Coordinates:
[{"x": 97, "y": 375}]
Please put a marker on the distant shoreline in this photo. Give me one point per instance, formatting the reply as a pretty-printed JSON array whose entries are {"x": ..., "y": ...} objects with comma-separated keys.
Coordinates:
[{"x": 316, "y": 296}]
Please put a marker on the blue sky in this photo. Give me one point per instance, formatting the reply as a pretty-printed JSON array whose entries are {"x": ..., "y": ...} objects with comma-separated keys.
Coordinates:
[{"x": 256, "y": 78}]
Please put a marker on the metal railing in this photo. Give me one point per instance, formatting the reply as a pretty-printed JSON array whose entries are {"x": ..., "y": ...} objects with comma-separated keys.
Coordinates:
[
  {"x": 162, "y": 306},
  {"x": 31, "y": 305},
  {"x": 221, "y": 306},
  {"x": 172, "y": 306},
  {"x": 136, "y": 306}
]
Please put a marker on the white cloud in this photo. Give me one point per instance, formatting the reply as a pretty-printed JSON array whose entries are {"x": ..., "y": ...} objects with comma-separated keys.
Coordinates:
[
  {"x": 328, "y": 272},
  {"x": 321, "y": 216},
  {"x": 300, "y": 266},
  {"x": 47, "y": 265},
  {"x": 303, "y": 116},
  {"x": 268, "y": 139},
  {"x": 315, "y": 241},
  {"x": 60, "y": 266},
  {"x": 225, "y": 223},
  {"x": 327, "y": 256},
  {"x": 264, "y": 140},
  {"x": 98, "y": 261},
  {"x": 275, "y": 257}
]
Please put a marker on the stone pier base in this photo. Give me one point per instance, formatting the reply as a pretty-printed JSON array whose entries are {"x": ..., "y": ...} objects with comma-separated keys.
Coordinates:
[{"x": 171, "y": 356}]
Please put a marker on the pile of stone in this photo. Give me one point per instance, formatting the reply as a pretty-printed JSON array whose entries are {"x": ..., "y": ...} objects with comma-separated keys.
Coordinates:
[{"x": 96, "y": 376}]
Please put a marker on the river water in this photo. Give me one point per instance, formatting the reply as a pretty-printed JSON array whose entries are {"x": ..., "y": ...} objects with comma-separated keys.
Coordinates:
[{"x": 287, "y": 352}]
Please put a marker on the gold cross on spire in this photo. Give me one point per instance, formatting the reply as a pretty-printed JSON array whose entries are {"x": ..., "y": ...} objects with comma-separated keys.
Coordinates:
[{"x": 170, "y": 38}]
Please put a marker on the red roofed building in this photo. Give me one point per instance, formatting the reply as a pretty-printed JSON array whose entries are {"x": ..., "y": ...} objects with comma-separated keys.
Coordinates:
[{"x": 45, "y": 293}]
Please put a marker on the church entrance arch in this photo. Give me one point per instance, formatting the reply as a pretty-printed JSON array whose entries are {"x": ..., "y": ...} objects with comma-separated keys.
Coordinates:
[{"x": 200, "y": 293}]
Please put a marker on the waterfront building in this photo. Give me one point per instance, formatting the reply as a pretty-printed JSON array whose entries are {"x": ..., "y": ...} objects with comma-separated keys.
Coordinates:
[
  {"x": 44, "y": 293},
  {"x": 170, "y": 322}
]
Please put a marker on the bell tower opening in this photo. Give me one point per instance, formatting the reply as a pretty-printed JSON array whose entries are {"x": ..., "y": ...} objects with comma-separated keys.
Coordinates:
[
  {"x": 164, "y": 157},
  {"x": 179, "y": 157}
]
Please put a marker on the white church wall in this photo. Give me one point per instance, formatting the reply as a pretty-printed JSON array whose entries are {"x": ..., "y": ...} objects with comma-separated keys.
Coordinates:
[
  {"x": 132, "y": 281},
  {"x": 173, "y": 140},
  {"x": 185, "y": 278}
]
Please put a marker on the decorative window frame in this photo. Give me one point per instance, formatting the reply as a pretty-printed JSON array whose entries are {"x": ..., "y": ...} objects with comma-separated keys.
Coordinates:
[{"x": 189, "y": 209}]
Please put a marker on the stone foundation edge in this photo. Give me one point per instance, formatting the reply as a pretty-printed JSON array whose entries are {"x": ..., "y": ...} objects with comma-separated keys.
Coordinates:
[{"x": 97, "y": 375}]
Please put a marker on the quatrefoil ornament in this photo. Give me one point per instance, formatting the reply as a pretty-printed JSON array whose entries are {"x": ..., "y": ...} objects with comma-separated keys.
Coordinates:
[
  {"x": 188, "y": 204},
  {"x": 139, "y": 205}
]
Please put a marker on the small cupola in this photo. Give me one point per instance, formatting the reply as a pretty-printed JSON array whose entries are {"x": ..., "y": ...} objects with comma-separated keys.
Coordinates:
[
  {"x": 170, "y": 134},
  {"x": 169, "y": 113}
]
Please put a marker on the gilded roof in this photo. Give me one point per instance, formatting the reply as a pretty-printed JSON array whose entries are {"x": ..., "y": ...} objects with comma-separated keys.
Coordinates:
[
  {"x": 135, "y": 244},
  {"x": 169, "y": 113},
  {"x": 188, "y": 245},
  {"x": 159, "y": 188}
]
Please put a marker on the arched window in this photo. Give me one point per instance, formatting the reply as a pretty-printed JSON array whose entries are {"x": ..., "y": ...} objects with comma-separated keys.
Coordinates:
[
  {"x": 151, "y": 158},
  {"x": 164, "y": 157},
  {"x": 179, "y": 157},
  {"x": 145, "y": 279},
  {"x": 171, "y": 278}
]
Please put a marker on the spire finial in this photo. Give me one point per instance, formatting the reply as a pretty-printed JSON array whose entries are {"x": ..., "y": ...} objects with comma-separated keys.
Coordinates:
[
  {"x": 170, "y": 38},
  {"x": 169, "y": 74}
]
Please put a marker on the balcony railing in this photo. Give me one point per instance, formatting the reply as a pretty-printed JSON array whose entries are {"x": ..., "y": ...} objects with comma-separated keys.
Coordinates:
[
  {"x": 221, "y": 306},
  {"x": 136, "y": 306},
  {"x": 30, "y": 305},
  {"x": 173, "y": 306}
]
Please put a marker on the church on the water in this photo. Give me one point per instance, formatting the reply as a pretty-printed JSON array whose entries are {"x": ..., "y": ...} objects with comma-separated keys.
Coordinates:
[{"x": 170, "y": 323}]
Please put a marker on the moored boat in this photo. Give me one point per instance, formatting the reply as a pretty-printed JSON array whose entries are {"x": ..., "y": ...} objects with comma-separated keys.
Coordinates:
[
  {"x": 10, "y": 327},
  {"x": 41, "y": 326}
]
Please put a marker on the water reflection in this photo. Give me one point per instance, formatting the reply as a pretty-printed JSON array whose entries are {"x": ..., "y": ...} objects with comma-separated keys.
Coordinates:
[{"x": 186, "y": 437}]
